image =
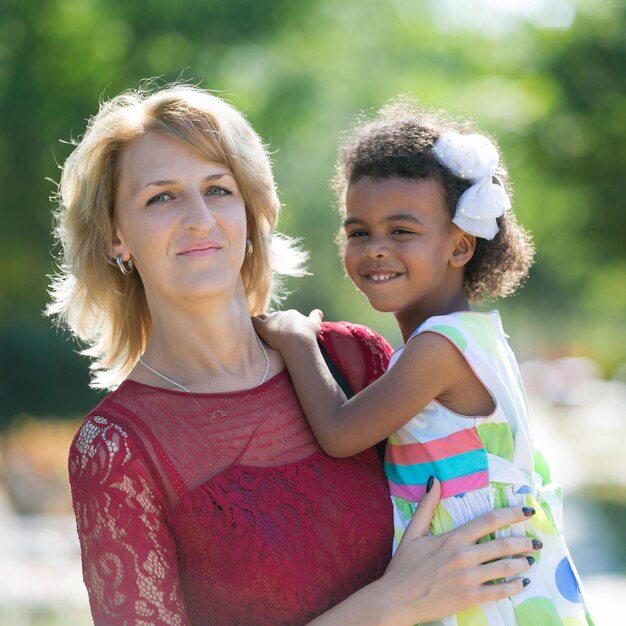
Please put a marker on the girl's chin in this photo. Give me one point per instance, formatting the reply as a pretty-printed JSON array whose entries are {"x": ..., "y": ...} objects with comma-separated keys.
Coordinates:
[{"x": 382, "y": 307}]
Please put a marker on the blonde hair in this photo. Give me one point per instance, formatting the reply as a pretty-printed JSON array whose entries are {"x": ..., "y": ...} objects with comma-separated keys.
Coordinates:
[{"x": 107, "y": 310}]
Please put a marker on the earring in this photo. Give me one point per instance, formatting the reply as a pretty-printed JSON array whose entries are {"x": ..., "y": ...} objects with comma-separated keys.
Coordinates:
[
  {"x": 125, "y": 269},
  {"x": 249, "y": 247}
]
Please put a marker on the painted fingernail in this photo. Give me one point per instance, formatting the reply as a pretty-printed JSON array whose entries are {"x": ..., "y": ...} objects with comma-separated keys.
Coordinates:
[
  {"x": 528, "y": 511},
  {"x": 526, "y": 582},
  {"x": 530, "y": 559},
  {"x": 429, "y": 484},
  {"x": 537, "y": 545}
]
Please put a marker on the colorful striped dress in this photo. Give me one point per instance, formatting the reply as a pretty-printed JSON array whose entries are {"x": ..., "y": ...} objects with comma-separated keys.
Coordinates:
[{"x": 485, "y": 463}]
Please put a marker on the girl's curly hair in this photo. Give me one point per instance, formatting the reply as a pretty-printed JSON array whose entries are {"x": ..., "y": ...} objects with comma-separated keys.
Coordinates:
[{"x": 398, "y": 143}]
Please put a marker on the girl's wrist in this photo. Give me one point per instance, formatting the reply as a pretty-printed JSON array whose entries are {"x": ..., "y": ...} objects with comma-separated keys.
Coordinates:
[{"x": 297, "y": 341}]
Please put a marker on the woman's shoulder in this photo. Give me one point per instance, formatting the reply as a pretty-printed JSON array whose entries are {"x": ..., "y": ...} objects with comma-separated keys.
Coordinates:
[
  {"x": 352, "y": 333},
  {"x": 99, "y": 452},
  {"x": 361, "y": 354},
  {"x": 121, "y": 408},
  {"x": 104, "y": 439}
]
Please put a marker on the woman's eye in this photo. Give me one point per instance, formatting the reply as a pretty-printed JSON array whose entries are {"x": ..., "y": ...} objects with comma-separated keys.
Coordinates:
[
  {"x": 218, "y": 191},
  {"x": 160, "y": 198}
]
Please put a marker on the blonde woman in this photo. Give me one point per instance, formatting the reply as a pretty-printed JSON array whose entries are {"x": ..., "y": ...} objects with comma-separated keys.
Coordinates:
[{"x": 200, "y": 494}]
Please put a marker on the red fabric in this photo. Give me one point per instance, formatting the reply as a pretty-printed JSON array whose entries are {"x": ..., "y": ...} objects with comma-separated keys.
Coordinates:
[{"x": 221, "y": 508}]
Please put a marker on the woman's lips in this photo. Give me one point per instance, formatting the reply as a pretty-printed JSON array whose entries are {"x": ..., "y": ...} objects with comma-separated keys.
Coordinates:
[{"x": 200, "y": 249}]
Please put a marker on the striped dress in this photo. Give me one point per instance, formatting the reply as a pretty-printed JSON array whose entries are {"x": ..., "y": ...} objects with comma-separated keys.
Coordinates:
[{"x": 485, "y": 463}]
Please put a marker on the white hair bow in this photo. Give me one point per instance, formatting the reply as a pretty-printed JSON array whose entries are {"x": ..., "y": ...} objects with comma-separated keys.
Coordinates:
[{"x": 475, "y": 158}]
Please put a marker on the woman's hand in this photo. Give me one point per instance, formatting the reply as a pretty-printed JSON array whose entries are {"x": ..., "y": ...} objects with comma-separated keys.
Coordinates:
[
  {"x": 431, "y": 577},
  {"x": 276, "y": 329}
]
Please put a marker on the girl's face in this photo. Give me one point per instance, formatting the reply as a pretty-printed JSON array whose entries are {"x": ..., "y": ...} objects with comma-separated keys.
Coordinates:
[
  {"x": 180, "y": 218},
  {"x": 400, "y": 248}
]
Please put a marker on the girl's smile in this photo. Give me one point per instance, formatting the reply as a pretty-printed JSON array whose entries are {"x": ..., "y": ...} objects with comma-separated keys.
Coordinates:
[{"x": 380, "y": 276}]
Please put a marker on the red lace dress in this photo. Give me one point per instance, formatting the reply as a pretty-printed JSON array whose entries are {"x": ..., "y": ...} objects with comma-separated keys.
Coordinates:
[{"x": 221, "y": 508}]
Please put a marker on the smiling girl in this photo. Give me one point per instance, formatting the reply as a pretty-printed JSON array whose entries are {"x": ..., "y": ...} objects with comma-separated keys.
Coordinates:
[{"x": 428, "y": 230}]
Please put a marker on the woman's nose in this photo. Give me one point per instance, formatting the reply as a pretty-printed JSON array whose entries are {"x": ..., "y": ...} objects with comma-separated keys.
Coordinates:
[{"x": 198, "y": 214}]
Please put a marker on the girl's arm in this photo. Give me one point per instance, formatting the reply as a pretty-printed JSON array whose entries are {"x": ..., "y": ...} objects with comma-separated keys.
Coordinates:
[
  {"x": 432, "y": 577},
  {"x": 428, "y": 368}
]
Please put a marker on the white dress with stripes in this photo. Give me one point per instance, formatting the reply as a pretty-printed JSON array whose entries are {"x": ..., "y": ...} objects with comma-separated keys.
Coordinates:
[{"x": 485, "y": 463}]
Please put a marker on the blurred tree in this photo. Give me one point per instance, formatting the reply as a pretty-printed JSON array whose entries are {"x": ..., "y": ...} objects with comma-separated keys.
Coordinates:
[
  {"x": 580, "y": 148},
  {"x": 548, "y": 84}
]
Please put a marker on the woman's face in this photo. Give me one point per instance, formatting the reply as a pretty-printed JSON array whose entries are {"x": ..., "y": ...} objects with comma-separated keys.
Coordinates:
[{"x": 181, "y": 219}]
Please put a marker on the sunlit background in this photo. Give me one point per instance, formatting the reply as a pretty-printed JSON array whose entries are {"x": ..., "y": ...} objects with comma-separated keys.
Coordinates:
[{"x": 545, "y": 76}]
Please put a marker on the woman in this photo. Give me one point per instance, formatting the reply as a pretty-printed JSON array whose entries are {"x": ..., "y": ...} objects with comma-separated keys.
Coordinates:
[{"x": 200, "y": 494}]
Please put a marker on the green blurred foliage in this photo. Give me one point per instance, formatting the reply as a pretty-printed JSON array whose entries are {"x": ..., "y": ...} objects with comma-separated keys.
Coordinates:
[{"x": 549, "y": 84}]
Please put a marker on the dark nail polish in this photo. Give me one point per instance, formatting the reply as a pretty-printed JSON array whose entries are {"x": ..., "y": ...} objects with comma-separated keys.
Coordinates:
[
  {"x": 528, "y": 511},
  {"x": 526, "y": 582},
  {"x": 537, "y": 545},
  {"x": 530, "y": 559},
  {"x": 429, "y": 484}
]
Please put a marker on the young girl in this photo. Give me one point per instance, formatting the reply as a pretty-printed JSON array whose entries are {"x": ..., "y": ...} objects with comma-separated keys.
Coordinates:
[{"x": 428, "y": 229}]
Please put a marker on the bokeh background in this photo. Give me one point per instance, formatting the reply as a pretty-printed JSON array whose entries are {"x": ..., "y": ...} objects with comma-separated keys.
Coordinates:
[{"x": 544, "y": 76}]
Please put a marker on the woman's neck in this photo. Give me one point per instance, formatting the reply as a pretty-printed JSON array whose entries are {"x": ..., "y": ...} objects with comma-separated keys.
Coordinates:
[{"x": 208, "y": 349}]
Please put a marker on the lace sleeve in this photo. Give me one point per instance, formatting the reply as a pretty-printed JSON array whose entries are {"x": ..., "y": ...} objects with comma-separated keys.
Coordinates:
[{"x": 128, "y": 553}]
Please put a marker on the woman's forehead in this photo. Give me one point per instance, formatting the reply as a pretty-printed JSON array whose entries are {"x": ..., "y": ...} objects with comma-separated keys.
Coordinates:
[{"x": 158, "y": 157}]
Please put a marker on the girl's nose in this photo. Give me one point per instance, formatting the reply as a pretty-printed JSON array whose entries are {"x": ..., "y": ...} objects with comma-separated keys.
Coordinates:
[
  {"x": 198, "y": 214},
  {"x": 376, "y": 249}
]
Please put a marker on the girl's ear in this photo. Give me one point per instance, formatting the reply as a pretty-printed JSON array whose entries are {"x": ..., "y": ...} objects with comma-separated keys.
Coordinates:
[{"x": 463, "y": 251}]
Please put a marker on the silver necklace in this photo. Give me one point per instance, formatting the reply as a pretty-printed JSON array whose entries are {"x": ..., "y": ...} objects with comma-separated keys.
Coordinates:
[{"x": 173, "y": 382}]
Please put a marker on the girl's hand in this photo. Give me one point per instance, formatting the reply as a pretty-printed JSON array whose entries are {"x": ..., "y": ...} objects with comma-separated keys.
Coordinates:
[
  {"x": 279, "y": 328},
  {"x": 431, "y": 577}
]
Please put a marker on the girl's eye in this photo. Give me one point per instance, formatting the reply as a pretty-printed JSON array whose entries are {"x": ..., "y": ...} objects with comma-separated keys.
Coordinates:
[
  {"x": 356, "y": 233},
  {"x": 401, "y": 231},
  {"x": 159, "y": 198}
]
